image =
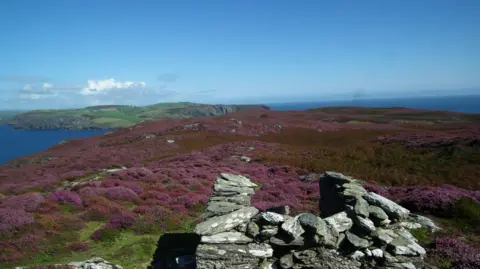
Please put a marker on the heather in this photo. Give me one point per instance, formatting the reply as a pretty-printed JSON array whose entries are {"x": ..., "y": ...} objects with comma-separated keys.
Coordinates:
[{"x": 79, "y": 200}]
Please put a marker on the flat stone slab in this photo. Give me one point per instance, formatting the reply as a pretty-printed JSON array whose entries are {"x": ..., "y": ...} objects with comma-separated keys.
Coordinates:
[
  {"x": 226, "y": 237},
  {"x": 226, "y": 222},
  {"x": 391, "y": 208},
  {"x": 236, "y": 180},
  {"x": 340, "y": 221},
  {"x": 231, "y": 256}
]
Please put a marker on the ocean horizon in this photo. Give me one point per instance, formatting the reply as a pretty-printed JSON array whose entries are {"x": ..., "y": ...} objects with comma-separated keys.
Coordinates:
[{"x": 461, "y": 103}]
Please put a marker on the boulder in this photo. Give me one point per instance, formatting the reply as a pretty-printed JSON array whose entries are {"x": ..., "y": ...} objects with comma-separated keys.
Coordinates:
[
  {"x": 340, "y": 221},
  {"x": 391, "y": 208},
  {"x": 293, "y": 227},
  {"x": 286, "y": 261},
  {"x": 216, "y": 208},
  {"x": 237, "y": 199},
  {"x": 226, "y": 222},
  {"x": 356, "y": 241},
  {"x": 308, "y": 221},
  {"x": 273, "y": 218},
  {"x": 236, "y": 180},
  {"x": 361, "y": 207}
]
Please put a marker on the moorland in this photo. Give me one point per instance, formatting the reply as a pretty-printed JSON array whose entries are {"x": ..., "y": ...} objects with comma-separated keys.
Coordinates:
[{"x": 113, "y": 196}]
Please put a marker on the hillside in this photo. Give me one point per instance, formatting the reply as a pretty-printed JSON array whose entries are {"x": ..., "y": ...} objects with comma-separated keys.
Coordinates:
[
  {"x": 116, "y": 116},
  {"x": 6, "y": 115},
  {"x": 113, "y": 196}
]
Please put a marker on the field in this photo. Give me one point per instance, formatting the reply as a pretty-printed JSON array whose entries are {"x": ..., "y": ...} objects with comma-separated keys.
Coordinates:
[
  {"x": 62, "y": 205},
  {"x": 116, "y": 116}
]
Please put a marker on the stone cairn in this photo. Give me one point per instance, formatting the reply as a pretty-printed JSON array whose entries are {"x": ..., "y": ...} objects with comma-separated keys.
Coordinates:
[{"x": 359, "y": 229}]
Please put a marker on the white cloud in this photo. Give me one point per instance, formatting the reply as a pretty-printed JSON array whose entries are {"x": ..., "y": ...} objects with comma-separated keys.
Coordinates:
[
  {"x": 27, "y": 87},
  {"x": 47, "y": 85},
  {"x": 32, "y": 96},
  {"x": 104, "y": 86}
]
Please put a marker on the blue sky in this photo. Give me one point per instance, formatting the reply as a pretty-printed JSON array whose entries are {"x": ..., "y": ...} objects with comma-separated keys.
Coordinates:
[{"x": 73, "y": 53}]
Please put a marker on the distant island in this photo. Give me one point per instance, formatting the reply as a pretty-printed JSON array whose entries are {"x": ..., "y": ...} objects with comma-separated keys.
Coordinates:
[{"x": 114, "y": 116}]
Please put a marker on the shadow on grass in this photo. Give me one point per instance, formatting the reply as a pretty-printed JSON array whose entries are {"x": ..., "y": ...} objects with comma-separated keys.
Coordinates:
[{"x": 175, "y": 251}]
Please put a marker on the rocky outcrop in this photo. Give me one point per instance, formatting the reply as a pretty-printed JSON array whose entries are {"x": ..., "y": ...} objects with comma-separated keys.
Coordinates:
[{"x": 360, "y": 230}]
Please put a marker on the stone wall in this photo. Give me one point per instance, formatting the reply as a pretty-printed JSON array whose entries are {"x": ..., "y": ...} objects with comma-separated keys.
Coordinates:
[{"x": 359, "y": 229}]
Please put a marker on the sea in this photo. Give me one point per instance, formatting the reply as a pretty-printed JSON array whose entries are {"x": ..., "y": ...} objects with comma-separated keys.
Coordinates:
[{"x": 18, "y": 143}]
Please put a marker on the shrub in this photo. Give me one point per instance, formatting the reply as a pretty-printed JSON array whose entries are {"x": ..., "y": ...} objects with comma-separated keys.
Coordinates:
[
  {"x": 66, "y": 197},
  {"x": 466, "y": 213},
  {"x": 116, "y": 183},
  {"x": 72, "y": 175},
  {"x": 462, "y": 255},
  {"x": 143, "y": 209},
  {"x": 120, "y": 193},
  {"x": 78, "y": 247},
  {"x": 122, "y": 221},
  {"x": 28, "y": 202},
  {"x": 100, "y": 208},
  {"x": 12, "y": 219}
]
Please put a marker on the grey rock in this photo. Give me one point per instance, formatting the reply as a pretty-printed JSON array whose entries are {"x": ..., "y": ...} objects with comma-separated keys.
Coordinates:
[
  {"x": 357, "y": 241},
  {"x": 293, "y": 227},
  {"x": 227, "y": 190},
  {"x": 332, "y": 260},
  {"x": 237, "y": 180},
  {"x": 366, "y": 225},
  {"x": 321, "y": 227},
  {"x": 217, "y": 208},
  {"x": 280, "y": 241},
  {"x": 361, "y": 207},
  {"x": 368, "y": 252},
  {"x": 406, "y": 247},
  {"x": 331, "y": 201},
  {"x": 242, "y": 228},
  {"x": 245, "y": 159},
  {"x": 385, "y": 236},
  {"x": 401, "y": 231},
  {"x": 425, "y": 222},
  {"x": 331, "y": 236},
  {"x": 226, "y": 237},
  {"x": 358, "y": 255},
  {"x": 404, "y": 265},
  {"x": 340, "y": 239},
  {"x": 377, "y": 214},
  {"x": 308, "y": 221},
  {"x": 94, "y": 263},
  {"x": 353, "y": 190},
  {"x": 237, "y": 199},
  {"x": 252, "y": 229},
  {"x": 226, "y": 222},
  {"x": 305, "y": 257},
  {"x": 391, "y": 208},
  {"x": 273, "y": 218},
  {"x": 377, "y": 253},
  {"x": 340, "y": 221},
  {"x": 286, "y": 261},
  {"x": 226, "y": 256},
  {"x": 410, "y": 225},
  {"x": 268, "y": 231}
]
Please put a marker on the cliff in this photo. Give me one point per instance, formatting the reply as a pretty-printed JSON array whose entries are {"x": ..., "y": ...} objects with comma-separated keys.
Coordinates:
[{"x": 115, "y": 116}]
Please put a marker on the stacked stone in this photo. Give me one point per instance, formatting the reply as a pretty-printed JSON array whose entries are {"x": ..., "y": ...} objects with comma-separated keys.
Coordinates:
[
  {"x": 371, "y": 228},
  {"x": 224, "y": 243},
  {"x": 361, "y": 230}
]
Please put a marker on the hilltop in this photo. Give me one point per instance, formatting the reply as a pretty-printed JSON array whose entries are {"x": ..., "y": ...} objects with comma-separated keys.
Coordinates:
[
  {"x": 117, "y": 116},
  {"x": 114, "y": 195}
]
